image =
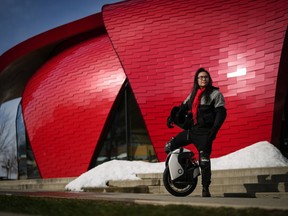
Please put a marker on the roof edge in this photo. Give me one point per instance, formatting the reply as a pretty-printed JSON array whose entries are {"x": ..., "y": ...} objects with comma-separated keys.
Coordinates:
[{"x": 62, "y": 32}]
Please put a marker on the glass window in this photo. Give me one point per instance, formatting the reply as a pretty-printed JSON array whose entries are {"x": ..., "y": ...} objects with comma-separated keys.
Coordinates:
[
  {"x": 284, "y": 130},
  {"x": 126, "y": 137},
  {"x": 27, "y": 167}
]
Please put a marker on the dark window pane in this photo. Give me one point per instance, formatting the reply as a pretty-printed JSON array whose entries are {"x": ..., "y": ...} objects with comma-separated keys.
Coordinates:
[
  {"x": 127, "y": 137},
  {"x": 27, "y": 164}
]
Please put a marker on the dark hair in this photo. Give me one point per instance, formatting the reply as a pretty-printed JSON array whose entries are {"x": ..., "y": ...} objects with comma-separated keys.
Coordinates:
[{"x": 209, "y": 87}]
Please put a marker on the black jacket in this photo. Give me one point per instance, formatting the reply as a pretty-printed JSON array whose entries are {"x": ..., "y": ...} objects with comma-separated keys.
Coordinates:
[{"x": 211, "y": 113}]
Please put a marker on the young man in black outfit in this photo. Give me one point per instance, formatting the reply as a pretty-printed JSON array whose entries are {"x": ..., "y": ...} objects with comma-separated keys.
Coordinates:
[{"x": 206, "y": 106}]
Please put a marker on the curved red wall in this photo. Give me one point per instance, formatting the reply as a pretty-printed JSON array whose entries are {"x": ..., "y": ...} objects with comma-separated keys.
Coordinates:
[
  {"x": 162, "y": 43},
  {"x": 66, "y": 104},
  {"x": 157, "y": 45}
]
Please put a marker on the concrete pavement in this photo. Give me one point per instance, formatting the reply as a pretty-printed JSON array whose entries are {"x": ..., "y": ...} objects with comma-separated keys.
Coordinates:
[{"x": 163, "y": 199}]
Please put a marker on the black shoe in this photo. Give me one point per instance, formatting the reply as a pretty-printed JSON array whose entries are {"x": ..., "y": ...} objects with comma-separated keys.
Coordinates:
[{"x": 205, "y": 192}]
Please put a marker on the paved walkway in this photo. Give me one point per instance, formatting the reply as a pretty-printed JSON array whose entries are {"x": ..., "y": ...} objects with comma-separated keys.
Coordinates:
[{"x": 165, "y": 199}]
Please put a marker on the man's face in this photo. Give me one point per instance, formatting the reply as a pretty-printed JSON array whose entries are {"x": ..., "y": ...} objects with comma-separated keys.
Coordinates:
[{"x": 203, "y": 79}]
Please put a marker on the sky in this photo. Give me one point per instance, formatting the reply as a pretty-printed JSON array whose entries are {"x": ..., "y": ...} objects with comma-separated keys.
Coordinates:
[
  {"x": 261, "y": 154},
  {"x": 23, "y": 19}
]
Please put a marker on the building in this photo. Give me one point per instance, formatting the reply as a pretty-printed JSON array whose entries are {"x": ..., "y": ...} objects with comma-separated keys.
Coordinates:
[{"x": 102, "y": 87}]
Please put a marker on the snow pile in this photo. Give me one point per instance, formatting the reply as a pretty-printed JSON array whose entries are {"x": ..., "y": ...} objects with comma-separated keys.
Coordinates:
[
  {"x": 262, "y": 154},
  {"x": 114, "y": 170}
]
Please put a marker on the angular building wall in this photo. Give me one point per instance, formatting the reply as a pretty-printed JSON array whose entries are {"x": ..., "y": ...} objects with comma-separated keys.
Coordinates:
[
  {"x": 157, "y": 46},
  {"x": 162, "y": 43},
  {"x": 66, "y": 104}
]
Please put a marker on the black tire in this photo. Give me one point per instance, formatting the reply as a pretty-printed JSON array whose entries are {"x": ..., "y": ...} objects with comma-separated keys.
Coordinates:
[{"x": 179, "y": 190}]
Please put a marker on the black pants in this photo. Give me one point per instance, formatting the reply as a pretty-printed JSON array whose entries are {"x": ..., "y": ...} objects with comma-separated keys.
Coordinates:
[{"x": 203, "y": 146}]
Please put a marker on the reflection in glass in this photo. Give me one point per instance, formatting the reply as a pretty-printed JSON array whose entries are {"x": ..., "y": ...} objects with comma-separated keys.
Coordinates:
[
  {"x": 127, "y": 137},
  {"x": 21, "y": 145},
  {"x": 27, "y": 167}
]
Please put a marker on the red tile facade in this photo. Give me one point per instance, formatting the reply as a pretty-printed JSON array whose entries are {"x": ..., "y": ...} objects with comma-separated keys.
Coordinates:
[
  {"x": 162, "y": 43},
  {"x": 66, "y": 104},
  {"x": 158, "y": 45}
]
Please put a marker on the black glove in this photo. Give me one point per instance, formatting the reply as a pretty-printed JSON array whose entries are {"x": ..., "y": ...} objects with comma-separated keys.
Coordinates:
[
  {"x": 212, "y": 135},
  {"x": 169, "y": 122},
  {"x": 219, "y": 119}
]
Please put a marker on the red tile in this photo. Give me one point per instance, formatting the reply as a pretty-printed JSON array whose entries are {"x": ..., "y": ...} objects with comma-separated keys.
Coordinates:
[
  {"x": 217, "y": 49},
  {"x": 70, "y": 89}
]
